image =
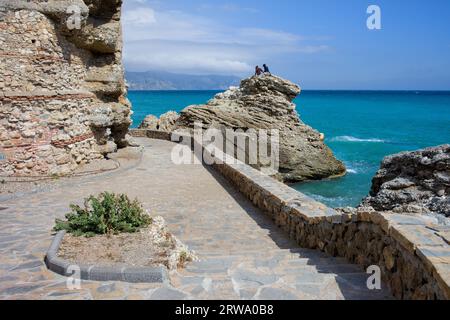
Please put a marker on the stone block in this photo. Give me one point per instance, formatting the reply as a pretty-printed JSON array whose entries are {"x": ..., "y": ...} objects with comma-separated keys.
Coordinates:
[
  {"x": 389, "y": 257},
  {"x": 434, "y": 255},
  {"x": 442, "y": 275},
  {"x": 145, "y": 275},
  {"x": 334, "y": 219},
  {"x": 364, "y": 216},
  {"x": 411, "y": 236},
  {"x": 380, "y": 220},
  {"x": 401, "y": 219},
  {"x": 105, "y": 274},
  {"x": 349, "y": 217},
  {"x": 437, "y": 262}
]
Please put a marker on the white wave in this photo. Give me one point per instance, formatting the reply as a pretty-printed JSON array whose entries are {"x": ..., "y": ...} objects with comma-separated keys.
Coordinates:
[
  {"x": 350, "y": 170},
  {"x": 353, "y": 139}
]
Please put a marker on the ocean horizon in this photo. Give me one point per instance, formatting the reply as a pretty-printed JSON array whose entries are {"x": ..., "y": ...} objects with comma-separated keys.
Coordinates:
[{"x": 360, "y": 126}]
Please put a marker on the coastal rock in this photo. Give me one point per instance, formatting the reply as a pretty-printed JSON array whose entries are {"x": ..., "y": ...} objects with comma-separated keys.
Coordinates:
[
  {"x": 265, "y": 102},
  {"x": 167, "y": 122},
  {"x": 62, "y": 84},
  {"x": 150, "y": 122},
  {"x": 413, "y": 182}
]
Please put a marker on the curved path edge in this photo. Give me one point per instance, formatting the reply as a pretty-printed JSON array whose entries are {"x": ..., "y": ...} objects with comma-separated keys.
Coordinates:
[{"x": 98, "y": 273}]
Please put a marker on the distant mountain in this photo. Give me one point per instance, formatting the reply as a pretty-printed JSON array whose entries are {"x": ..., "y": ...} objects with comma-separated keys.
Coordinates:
[{"x": 159, "y": 80}]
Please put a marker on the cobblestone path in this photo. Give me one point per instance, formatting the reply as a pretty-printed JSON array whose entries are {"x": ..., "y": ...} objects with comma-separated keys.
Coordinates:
[{"x": 243, "y": 255}]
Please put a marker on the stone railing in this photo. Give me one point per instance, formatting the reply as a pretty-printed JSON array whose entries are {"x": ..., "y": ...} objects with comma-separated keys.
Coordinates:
[
  {"x": 412, "y": 254},
  {"x": 152, "y": 134}
]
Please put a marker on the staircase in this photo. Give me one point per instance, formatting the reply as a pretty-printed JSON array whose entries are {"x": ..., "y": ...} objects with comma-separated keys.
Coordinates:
[{"x": 273, "y": 274}]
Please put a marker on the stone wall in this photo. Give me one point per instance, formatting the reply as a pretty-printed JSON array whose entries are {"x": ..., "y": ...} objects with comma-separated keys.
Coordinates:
[
  {"x": 412, "y": 254},
  {"x": 62, "y": 93}
]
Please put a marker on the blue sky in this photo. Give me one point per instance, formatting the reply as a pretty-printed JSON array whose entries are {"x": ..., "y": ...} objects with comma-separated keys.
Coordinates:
[{"x": 320, "y": 44}]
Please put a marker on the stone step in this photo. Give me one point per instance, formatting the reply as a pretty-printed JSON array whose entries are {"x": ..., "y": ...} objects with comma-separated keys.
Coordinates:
[
  {"x": 293, "y": 261},
  {"x": 225, "y": 267},
  {"x": 324, "y": 263},
  {"x": 336, "y": 269},
  {"x": 263, "y": 252},
  {"x": 271, "y": 260},
  {"x": 253, "y": 286}
]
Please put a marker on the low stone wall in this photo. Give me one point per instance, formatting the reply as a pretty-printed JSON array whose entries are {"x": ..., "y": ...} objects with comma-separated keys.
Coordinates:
[
  {"x": 152, "y": 134},
  {"x": 412, "y": 254}
]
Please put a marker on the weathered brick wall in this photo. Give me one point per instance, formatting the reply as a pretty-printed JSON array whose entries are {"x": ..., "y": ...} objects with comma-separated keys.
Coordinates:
[{"x": 54, "y": 85}]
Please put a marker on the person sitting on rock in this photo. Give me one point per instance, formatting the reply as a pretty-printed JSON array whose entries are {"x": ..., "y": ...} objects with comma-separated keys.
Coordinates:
[
  {"x": 258, "y": 71},
  {"x": 266, "y": 69}
]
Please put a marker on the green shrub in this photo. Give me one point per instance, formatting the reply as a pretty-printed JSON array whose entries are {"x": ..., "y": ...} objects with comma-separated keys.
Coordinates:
[{"x": 106, "y": 214}]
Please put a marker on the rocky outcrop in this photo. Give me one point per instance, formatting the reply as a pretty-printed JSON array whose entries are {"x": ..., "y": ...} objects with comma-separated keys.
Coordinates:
[
  {"x": 413, "y": 182},
  {"x": 167, "y": 122},
  {"x": 266, "y": 102},
  {"x": 62, "y": 90}
]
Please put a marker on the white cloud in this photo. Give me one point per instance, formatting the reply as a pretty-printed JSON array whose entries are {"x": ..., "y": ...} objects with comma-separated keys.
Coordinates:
[
  {"x": 228, "y": 7},
  {"x": 179, "y": 42},
  {"x": 143, "y": 16},
  {"x": 313, "y": 49},
  {"x": 187, "y": 57}
]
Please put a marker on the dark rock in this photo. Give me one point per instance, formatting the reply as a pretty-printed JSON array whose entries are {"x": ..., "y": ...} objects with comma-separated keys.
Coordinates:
[{"x": 413, "y": 182}]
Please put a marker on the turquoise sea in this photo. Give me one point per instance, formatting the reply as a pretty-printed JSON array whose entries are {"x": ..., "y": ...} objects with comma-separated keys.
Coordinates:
[{"x": 361, "y": 127}]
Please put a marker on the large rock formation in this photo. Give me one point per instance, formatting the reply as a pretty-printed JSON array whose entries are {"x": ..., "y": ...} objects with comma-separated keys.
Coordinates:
[
  {"x": 413, "y": 182},
  {"x": 266, "y": 103},
  {"x": 62, "y": 91}
]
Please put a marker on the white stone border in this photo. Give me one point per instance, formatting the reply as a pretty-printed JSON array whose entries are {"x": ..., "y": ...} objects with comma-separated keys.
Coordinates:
[{"x": 98, "y": 273}]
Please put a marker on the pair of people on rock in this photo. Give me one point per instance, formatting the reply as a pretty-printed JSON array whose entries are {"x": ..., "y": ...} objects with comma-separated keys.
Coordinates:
[{"x": 259, "y": 71}]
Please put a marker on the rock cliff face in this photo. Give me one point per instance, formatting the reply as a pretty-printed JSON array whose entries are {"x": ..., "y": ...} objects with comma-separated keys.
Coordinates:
[
  {"x": 266, "y": 103},
  {"x": 62, "y": 91},
  {"x": 413, "y": 182}
]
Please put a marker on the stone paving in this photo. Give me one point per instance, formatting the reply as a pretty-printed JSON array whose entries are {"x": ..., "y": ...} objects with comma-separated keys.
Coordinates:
[{"x": 243, "y": 255}]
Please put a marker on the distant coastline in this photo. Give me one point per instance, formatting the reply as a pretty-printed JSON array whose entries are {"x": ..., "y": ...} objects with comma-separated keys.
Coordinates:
[{"x": 158, "y": 80}]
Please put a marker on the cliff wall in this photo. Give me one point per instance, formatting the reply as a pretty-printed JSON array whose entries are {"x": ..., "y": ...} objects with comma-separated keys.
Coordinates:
[{"x": 62, "y": 91}]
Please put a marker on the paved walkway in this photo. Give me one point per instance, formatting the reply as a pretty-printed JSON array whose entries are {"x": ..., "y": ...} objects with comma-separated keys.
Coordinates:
[{"x": 243, "y": 255}]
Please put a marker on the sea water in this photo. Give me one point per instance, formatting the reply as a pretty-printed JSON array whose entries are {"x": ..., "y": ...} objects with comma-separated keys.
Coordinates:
[{"x": 361, "y": 127}]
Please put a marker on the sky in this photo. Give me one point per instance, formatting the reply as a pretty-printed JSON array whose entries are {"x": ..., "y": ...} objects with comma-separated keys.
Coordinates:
[{"x": 319, "y": 44}]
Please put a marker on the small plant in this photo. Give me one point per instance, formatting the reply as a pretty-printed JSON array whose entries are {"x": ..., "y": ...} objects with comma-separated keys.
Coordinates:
[
  {"x": 183, "y": 259},
  {"x": 106, "y": 214}
]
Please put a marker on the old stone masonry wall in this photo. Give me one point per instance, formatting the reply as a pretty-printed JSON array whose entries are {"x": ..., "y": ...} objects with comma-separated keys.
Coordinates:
[{"x": 62, "y": 92}]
